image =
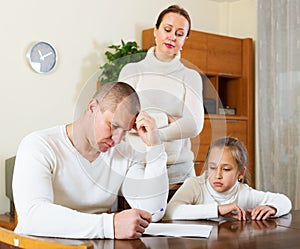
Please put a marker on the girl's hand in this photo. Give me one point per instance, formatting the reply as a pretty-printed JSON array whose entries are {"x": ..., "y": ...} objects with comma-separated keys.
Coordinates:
[
  {"x": 261, "y": 212},
  {"x": 232, "y": 210}
]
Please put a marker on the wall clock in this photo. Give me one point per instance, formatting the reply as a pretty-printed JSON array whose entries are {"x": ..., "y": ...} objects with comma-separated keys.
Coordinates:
[{"x": 42, "y": 57}]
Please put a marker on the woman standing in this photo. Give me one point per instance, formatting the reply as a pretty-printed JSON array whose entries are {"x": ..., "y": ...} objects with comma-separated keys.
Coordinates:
[{"x": 170, "y": 92}]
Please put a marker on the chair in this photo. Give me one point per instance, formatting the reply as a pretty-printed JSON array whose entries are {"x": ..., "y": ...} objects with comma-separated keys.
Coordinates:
[
  {"x": 7, "y": 221},
  {"x": 11, "y": 238}
]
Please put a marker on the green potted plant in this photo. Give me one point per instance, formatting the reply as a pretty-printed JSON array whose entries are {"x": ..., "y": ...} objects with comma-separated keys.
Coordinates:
[{"x": 117, "y": 57}]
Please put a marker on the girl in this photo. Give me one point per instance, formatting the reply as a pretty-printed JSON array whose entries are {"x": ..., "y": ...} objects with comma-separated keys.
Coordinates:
[{"x": 222, "y": 190}]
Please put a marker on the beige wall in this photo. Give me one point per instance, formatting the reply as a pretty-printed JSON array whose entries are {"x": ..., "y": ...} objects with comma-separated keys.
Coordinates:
[{"x": 80, "y": 31}]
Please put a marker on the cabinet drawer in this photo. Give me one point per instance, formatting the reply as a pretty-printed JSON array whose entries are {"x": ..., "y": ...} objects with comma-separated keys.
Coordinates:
[
  {"x": 198, "y": 166},
  {"x": 237, "y": 129},
  {"x": 215, "y": 128}
]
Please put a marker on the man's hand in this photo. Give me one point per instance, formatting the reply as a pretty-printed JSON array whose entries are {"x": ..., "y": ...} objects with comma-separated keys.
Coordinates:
[
  {"x": 147, "y": 130},
  {"x": 131, "y": 223}
]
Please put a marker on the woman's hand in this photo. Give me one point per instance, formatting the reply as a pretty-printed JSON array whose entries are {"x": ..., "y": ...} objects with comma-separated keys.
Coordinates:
[{"x": 172, "y": 119}]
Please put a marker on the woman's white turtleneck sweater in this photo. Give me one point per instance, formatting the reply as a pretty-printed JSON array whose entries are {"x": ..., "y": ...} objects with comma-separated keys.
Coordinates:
[{"x": 169, "y": 88}]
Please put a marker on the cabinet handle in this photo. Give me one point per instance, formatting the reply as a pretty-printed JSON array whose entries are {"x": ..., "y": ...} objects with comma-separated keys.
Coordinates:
[
  {"x": 225, "y": 74},
  {"x": 231, "y": 120}
]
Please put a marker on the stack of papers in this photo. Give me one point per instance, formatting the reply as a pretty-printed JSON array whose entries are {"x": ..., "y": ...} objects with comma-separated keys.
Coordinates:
[{"x": 178, "y": 230}]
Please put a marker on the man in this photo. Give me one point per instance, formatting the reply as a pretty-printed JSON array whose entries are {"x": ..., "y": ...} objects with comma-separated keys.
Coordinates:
[{"x": 67, "y": 178}]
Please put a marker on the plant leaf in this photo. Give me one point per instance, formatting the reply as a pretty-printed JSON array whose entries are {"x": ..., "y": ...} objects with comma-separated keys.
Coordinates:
[{"x": 117, "y": 57}]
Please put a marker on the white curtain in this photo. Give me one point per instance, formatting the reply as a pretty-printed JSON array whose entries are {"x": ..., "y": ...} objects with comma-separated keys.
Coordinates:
[{"x": 278, "y": 98}]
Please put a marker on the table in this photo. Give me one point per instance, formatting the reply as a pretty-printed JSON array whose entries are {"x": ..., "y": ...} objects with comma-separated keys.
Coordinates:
[{"x": 271, "y": 234}]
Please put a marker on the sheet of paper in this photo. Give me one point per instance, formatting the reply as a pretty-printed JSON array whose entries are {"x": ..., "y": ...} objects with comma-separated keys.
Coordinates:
[
  {"x": 178, "y": 230},
  {"x": 221, "y": 219}
]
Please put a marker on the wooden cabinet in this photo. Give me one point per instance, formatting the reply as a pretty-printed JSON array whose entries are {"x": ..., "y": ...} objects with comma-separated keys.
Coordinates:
[{"x": 226, "y": 66}]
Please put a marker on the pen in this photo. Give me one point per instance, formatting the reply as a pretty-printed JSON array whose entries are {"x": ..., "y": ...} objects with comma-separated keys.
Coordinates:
[{"x": 158, "y": 211}]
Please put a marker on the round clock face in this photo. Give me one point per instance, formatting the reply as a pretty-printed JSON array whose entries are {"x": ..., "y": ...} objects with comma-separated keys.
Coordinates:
[{"x": 42, "y": 57}]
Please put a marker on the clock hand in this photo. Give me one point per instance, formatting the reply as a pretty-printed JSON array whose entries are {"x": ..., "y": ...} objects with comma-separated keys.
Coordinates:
[
  {"x": 46, "y": 55},
  {"x": 41, "y": 56}
]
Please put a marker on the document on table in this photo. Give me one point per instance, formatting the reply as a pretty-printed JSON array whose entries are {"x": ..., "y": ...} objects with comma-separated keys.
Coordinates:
[
  {"x": 178, "y": 230},
  {"x": 221, "y": 219}
]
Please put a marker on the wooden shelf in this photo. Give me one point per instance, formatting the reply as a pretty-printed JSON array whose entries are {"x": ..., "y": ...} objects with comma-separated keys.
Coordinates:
[{"x": 218, "y": 116}]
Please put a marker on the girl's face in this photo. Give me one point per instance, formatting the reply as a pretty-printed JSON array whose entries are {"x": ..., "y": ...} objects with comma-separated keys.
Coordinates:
[
  {"x": 170, "y": 36},
  {"x": 223, "y": 170}
]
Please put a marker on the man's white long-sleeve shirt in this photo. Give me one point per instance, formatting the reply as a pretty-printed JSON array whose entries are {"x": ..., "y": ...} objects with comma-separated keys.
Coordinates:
[{"x": 57, "y": 192}]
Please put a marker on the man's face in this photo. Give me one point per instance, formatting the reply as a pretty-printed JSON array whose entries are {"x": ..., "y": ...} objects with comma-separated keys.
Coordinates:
[{"x": 111, "y": 127}]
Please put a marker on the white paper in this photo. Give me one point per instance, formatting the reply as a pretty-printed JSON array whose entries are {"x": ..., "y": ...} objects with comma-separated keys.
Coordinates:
[{"x": 178, "y": 230}]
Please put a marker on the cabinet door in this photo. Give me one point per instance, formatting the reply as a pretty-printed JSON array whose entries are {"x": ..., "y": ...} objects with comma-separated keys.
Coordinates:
[
  {"x": 195, "y": 50},
  {"x": 224, "y": 54}
]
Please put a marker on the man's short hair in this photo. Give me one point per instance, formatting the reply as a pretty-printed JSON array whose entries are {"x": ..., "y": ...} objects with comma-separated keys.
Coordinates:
[{"x": 110, "y": 95}]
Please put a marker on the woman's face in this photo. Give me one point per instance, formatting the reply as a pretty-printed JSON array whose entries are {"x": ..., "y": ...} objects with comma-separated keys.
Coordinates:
[
  {"x": 170, "y": 36},
  {"x": 223, "y": 170}
]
